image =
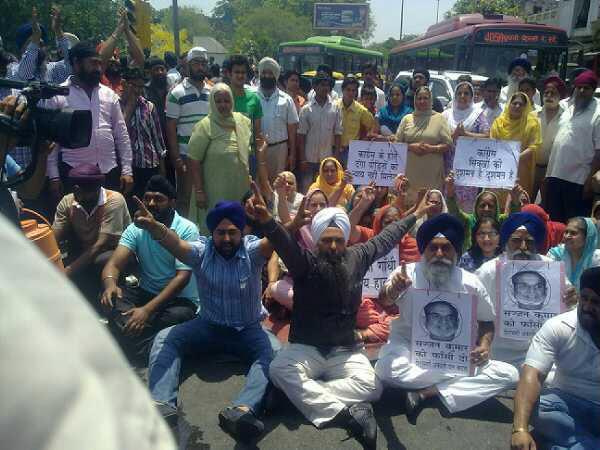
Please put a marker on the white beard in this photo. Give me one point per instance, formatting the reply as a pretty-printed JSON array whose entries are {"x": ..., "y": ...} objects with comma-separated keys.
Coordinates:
[{"x": 437, "y": 273}]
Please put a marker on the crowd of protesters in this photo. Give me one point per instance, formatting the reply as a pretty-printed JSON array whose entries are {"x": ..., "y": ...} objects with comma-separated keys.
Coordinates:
[{"x": 214, "y": 205}]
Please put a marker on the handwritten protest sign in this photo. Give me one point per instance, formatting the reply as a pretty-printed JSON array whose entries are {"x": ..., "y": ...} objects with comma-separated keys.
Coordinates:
[
  {"x": 379, "y": 272},
  {"x": 444, "y": 331},
  {"x": 486, "y": 163},
  {"x": 529, "y": 293},
  {"x": 376, "y": 161}
]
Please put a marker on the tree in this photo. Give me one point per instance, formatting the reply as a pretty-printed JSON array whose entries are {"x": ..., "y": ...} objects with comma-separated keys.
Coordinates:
[
  {"x": 162, "y": 40},
  {"x": 485, "y": 7},
  {"x": 190, "y": 18},
  {"x": 262, "y": 33},
  {"x": 386, "y": 46},
  {"x": 88, "y": 19}
]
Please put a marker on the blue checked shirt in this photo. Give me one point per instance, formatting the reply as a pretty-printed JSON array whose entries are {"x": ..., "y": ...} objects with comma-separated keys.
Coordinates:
[
  {"x": 229, "y": 289},
  {"x": 52, "y": 72}
]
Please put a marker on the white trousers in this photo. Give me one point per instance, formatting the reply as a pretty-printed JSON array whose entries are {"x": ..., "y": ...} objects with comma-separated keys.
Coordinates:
[
  {"x": 276, "y": 156},
  {"x": 321, "y": 386},
  {"x": 456, "y": 392}
]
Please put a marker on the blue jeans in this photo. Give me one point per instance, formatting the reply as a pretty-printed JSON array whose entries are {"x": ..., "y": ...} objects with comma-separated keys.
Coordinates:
[
  {"x": 565, "y": 421},
  {"x": 252, "y": 344}
]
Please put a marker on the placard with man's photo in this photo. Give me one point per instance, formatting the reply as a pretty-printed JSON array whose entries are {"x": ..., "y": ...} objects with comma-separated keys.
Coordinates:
[
  {"x": 530, "y": 293},
  {"x": 444, "y": 331}
]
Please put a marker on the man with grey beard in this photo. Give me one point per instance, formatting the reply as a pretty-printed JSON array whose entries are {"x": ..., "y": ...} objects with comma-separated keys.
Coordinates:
[
  {"x": 521, "y": 235},
  {"x": 440, "y": 241}
]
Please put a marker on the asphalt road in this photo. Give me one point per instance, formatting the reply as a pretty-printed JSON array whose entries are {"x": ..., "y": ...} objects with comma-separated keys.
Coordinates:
[{"x": 210, "y": 383}]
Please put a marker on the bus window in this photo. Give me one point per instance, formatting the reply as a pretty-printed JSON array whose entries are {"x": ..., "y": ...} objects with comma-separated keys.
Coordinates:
[
  {"x": 495, "y": 63},
  {"x": 447, "y": 56}
]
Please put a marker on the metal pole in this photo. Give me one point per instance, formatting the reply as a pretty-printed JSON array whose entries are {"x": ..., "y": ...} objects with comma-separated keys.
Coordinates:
[
  {"x": 176, "y": 27},
  {"x": 401, "y": 18},
  {"x": 437, "y": 12}
]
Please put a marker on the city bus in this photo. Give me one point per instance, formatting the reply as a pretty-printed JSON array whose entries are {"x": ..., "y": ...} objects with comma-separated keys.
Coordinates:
[
  {"x": 342, "y": 54},
  {"x": 484, "y": 45}
]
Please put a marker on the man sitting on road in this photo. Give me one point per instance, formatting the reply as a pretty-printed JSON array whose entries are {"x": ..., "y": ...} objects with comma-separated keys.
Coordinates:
[
  {"x": 567, "y": 413},
  {"x": 440, "y": 241},
  {"x": 322, "y": 371},
  {"x": 92, "y": 220},
  {"x": 166, "y": 294},
  {"x": 520, "y": 237},
  {"x": 227, "y": 268}
]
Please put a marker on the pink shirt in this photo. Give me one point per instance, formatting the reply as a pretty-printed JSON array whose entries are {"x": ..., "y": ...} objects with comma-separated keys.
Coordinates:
[{"x": 109, "y": 132}]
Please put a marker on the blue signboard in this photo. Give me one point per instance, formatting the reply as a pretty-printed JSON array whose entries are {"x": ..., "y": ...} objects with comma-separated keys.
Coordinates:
[{"x": 341, "y": 16}]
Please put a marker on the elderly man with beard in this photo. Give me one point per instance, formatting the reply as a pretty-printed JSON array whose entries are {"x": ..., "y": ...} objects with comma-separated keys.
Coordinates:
[
  {"x": 520, "y": 237},
  {"x": 440, "y": 242},
  {"x": 187, "y": 104},
  {"x": 518, "y": 70},
  {"x": 322, "y": 371},
  {"x": 166, "y": 294},
  {"x": 109, "y": 147},
  {"x": 227, "y": 267},
  {"x": 566, "y": 414}
]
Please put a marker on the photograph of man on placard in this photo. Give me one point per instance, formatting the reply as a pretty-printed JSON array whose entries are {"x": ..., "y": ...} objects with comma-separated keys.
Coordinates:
[
  {"x": 530, "y": 290},
  {"x": 441, "y": 321}
]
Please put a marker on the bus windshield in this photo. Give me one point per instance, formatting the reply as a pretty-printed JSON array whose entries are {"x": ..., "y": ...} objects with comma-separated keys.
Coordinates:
[
  {"x": 493, "y": 61},
  {"x": 301, "y": 63}
]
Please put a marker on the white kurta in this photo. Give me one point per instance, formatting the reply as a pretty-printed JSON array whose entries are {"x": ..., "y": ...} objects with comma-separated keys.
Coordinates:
[{"x": 456, "y": 392}]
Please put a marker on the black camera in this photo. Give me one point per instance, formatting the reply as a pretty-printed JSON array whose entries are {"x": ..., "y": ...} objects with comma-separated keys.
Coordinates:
[{"x": 67, "y": 127}]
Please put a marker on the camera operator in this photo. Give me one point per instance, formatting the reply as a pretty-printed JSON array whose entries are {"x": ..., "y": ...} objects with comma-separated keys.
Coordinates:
[
  {"x": 109, "y": 148},
  {"x": 31, "y": 188}
]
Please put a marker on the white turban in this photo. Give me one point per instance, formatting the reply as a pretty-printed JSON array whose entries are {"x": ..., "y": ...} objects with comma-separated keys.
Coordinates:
[
  {"x": 269, "y": 64},
  {"x": 330, "y": 217},
  {"x": 196, "y": 52}
]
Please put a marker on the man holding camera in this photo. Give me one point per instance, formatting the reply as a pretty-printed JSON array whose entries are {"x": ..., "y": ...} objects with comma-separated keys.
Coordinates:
[{"x": 109, "y": 146}]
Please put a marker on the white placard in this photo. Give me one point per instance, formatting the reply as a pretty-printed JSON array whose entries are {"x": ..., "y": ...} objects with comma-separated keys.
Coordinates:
[
  {"x": 486, "y": 163},
  {"x": 376, "y": 161},
  {"x": 530, "y": 293},
  {"x": 444, "y": 331},
  {"x": 379, "y": 271}
]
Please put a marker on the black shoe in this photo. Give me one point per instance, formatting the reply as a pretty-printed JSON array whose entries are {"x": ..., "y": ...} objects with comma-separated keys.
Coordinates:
[
  {"x": 168, "y": 413},
  {"x": 414, "y": 406},
  {"x": 362, "y": 426},
  {"x": 242, "y": 425}
]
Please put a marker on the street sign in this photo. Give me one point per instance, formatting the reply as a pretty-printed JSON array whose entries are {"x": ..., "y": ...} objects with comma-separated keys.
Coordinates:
[{"x": 341, "y": 16}]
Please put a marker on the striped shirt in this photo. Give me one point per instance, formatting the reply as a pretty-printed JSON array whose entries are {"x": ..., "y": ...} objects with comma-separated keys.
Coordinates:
[
  {"x": 229, "y": 289},
  {"x": 53, "y": 72},
  {"x": 188, "y": 106},
  {"x": 147, "y": 144}
]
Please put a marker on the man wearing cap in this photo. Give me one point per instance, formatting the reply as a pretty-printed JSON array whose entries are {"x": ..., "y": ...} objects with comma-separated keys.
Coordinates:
[
  {"x": 421, "y": 77},
  {"x": 319, "y": 133},
  {"x": 227, "y": 267},
  {"x": 141, "y": 116},
  {"x": 166, "y": 294},
  {"x": 565, "y": 414},
  {"x": 440, "y": 241},
  {"x": 280, "y": 119},
  {"x": 575, "y": 155},
  {"x": 518, "y": 69},
  {"x": 549, "y": 115},
  {"x": 187, "y": 104},
  {"x": 91, "y": 220},
  {"x": 322, "y": 371},
  {"x": 521, "y": 235},
  {"x": 109, "y": 148}
]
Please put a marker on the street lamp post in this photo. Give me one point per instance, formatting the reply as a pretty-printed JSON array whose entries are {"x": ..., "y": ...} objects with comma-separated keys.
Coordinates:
[
  {"x": 176, "y": 27},
  {"x": 437, "y": 12},
  {"x": 401, "y": 17}
]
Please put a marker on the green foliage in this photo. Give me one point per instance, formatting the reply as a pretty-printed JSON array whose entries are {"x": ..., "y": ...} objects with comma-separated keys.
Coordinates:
[
  {"x": 88, "y": 19},
  {"x": 190, "y": 18},
  {"x": 507, "y": 7},
  {"x": 386, "y": 46}
]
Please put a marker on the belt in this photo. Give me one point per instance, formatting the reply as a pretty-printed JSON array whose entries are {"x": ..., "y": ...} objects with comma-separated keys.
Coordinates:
[{"x": 277, "y": 143}]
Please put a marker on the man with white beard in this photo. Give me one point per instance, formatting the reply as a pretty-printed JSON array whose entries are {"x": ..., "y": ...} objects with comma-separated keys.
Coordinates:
[
  {"x": 518, "y": 70},
  {"x": 520, "y": 236},
  {"x": 440, "y": 241}
]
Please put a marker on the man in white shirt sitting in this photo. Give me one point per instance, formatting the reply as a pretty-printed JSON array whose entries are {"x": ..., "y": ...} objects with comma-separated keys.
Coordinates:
[
  {"x": 440, "y": 241},
  {"x": 566, "y": 414}
]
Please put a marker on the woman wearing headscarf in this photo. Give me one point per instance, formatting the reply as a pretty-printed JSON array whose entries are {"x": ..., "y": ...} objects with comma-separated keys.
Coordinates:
[
  {"x": 334, "y": 182},
  {"x": 516, "y": 123},
  {"x": 554, "y": 230},
  {"x": 390, "y": 116},
  {"x": 428, "y": 137},
  {"x": 464, "y": 119},
  {"x": 218, "y": 152},
  {"x": 578, "y": 250},
  {"x": 433, "y": 196}
]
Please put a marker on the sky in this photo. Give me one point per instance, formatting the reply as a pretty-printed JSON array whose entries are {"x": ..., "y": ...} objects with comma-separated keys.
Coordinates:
[{"x": 418, "y": 14}]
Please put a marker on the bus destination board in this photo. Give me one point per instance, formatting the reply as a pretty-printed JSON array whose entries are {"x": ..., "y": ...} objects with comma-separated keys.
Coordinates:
[{"x": 519, "y": 37}]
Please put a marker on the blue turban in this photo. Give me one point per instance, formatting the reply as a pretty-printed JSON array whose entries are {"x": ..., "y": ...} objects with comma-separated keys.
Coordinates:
[
  {"x": 25, "y": 31},
  {"x": 232, "y": 211},
  {"x": 534, "y": 225},
  {"x": 442, "y": 224},
  {"x": 519, "y": 62}
]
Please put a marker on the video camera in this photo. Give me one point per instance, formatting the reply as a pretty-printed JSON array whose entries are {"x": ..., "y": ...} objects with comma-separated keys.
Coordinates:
[{"x": 67, "y": 127}]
